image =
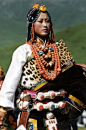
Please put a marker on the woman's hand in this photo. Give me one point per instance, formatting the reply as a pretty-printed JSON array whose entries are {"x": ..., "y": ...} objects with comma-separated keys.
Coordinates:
[{"x": 2, "y": 116}]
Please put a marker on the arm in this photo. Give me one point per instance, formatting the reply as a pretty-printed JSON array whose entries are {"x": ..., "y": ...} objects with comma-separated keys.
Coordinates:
[
  {"x": 12, "y": 79},
  {"x": 13, "y": 76}
]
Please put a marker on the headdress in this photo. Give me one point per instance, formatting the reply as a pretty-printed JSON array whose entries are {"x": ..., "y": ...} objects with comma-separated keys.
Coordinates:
[
  {"x": 33, "y": 15},
  {"x": 35, "y": 12}
]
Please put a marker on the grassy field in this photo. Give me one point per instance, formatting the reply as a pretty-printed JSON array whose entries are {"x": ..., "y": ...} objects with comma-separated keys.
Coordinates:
[
  {"x": 81, "y": 128},
  {"x": 75, "y": 40},
  {"x": 64, "y": 14},
  {"x": 11, "y": 31},
  {"x": 6, "y": 54}
]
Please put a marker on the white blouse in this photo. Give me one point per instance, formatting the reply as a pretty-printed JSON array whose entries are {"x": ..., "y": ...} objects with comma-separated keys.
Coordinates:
[{"x": 7, "y": 93}]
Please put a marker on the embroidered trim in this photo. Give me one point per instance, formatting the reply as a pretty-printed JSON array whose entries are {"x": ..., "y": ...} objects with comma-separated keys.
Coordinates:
[
  {"x": 77, "y": 101},
  {"x": 67, "y": 65}
]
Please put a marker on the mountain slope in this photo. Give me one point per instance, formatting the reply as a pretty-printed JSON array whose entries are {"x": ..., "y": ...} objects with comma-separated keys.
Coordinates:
[
  {"x": 74, "y": 38},
  {"x": 11, "y": 31},
  {"x": 64, "y": 13}
]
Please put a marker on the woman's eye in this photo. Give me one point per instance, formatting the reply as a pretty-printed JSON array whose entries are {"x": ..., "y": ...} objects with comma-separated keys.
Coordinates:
[
  {"x": 47, "y": 20},
  {"x": 40, "y": 21}
]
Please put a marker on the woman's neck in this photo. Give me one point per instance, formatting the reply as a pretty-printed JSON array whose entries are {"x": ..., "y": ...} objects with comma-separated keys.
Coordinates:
[{"x": 42, "y": 38}]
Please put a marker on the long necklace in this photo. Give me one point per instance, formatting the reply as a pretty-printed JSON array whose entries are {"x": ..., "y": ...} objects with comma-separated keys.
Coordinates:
[{"x": 40, "y": 59}]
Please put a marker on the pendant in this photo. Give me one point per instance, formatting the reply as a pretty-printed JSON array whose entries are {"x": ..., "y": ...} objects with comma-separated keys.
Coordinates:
[{"x": 51, "y": 121}]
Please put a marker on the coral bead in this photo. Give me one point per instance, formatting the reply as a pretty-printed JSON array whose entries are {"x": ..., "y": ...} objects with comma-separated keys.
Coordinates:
[
  {"x": 59, "y": 69},
  {"x": 42, "y": 72},
  {"x": 43, "y": 56},
  {"x": 46, "y": 57}
]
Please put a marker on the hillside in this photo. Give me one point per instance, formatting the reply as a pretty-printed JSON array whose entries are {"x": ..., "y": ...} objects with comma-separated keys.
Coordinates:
[
  {"x": 11, "y": 31},
  {"x": 74, "y": 38},
  {"x": 64, "y": 13},
  {"x": 69, "y": 11},
  {"x": 6, "y": 54}
]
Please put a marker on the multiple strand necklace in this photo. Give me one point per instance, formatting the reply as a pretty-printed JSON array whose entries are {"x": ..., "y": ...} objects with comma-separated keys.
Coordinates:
[{"x": 46, "y": 57}]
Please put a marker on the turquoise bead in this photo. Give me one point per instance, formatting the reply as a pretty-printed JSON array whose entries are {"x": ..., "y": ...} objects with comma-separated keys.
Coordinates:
[
  {"x": 52, "y": 106},
  {"x": 40, "y": 53},
  {"x": 50, "y": 48}
]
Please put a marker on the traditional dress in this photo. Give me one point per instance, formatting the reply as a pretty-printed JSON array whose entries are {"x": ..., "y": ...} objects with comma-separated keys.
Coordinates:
[{"x": 71, "y": 79}]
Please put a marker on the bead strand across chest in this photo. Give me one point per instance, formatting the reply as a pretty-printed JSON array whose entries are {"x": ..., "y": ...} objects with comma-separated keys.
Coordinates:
[{"x": 46, "y": 57}]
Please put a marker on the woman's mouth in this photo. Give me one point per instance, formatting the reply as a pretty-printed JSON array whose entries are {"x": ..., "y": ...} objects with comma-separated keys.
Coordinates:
[{"x": 45, "y": 30}]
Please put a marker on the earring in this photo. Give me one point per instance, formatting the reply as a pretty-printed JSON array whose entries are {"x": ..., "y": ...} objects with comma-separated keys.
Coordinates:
[
  {"x": 32, "y": 32},
  {"x": 52, "y": 34}
]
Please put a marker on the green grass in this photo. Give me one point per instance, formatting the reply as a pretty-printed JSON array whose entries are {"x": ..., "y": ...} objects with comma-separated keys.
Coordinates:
[
  {"x": 75, "y": 40},
  {"x": 11, "y": 31},
  {"x": 6, "y": 54},
  {"x": 81, "y": 128},
  {"x": 64, "y": 13},
  {"x": 13, "y": 15}
]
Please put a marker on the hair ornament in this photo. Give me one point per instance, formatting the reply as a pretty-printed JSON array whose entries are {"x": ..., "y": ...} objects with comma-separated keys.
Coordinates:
[
  {"x": 35, "y": 5},
  {"x": 43, "y": 8}
]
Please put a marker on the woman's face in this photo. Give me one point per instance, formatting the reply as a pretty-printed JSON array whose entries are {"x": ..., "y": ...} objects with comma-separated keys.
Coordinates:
[{"x": 42, "y": 25}]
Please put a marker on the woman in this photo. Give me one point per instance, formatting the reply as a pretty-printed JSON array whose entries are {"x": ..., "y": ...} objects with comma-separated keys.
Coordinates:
[{"x": 49, "y": 70}]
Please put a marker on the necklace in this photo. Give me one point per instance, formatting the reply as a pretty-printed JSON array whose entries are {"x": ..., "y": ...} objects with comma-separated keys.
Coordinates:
[{"x": 46, "y": 57}]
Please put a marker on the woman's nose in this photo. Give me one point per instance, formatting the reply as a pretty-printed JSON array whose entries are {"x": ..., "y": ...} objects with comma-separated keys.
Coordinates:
[{"x": 44, "y": 23}]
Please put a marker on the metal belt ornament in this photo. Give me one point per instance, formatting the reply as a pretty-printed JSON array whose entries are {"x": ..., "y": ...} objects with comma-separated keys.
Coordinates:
[{"x": 39, "y": 105}]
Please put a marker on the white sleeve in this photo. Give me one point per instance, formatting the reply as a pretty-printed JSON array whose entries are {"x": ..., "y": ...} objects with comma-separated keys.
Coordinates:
[{"x": 13, "y": 76}]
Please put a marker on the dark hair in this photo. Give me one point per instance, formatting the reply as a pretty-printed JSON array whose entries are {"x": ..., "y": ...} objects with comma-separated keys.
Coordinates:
[{"x": 32, "y": 16}]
